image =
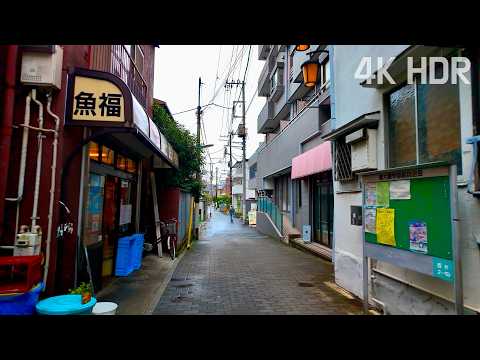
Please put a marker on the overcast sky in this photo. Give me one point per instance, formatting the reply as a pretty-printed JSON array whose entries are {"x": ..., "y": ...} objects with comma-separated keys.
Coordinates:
[{"x": 177, "y": 69}]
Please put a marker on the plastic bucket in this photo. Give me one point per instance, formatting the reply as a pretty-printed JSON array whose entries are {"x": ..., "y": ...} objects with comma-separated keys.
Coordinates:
[{"x": 105, "y": 308}]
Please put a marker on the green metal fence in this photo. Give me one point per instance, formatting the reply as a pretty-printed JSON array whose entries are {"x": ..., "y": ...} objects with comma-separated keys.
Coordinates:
[{"x": 267, "y": 206}]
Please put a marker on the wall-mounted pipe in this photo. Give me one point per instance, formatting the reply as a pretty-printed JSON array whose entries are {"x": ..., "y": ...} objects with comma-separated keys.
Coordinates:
[
  {"x": 39, "y": 160},
  {"x": 23, "y": 159},
  {"x": 52, "y": 186}
]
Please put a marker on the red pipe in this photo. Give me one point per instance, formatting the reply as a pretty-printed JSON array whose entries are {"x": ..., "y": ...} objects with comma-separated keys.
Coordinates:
[{"x": 6, "y": 126}]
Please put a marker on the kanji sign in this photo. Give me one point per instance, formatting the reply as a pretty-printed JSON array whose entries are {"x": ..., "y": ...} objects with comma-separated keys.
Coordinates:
[{"x": 97, "y": 100}]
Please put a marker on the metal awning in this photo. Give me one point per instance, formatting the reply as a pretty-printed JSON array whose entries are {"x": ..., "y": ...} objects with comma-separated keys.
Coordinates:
[
  {"x": 312, "y": 161},
  {"x": 398, "y": 68},
  {"x": 369, "y": 120}
]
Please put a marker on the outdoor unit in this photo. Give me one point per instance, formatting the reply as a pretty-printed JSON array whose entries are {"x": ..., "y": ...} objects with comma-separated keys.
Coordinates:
[
  {"x": 363, "y": 145},
  {"x": 42, "y": 68}
]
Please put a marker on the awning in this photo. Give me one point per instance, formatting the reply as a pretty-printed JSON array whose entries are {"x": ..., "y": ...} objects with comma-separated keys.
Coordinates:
[
  {"x": 102, "y": 100},
  {"x": 313, "y": 161}
]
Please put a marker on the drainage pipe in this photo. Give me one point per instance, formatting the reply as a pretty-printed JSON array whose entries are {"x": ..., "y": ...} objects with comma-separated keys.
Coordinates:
[
  {"x": 52, "y": 186},
  {"x": 23, "y": 160},
  {"x": 39, "y": 160}
]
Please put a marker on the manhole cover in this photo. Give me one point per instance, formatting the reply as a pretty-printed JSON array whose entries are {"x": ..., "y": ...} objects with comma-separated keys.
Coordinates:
[{"x": 305, "y": 284}]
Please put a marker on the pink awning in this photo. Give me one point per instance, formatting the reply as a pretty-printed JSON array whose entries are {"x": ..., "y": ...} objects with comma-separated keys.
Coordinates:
[{"x": 313, "y": 161}]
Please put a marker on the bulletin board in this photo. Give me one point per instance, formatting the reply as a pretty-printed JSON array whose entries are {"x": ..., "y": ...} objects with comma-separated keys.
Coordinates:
[
  {"x": 429, "y": 205},
  {"x": 409, "y": 220}
]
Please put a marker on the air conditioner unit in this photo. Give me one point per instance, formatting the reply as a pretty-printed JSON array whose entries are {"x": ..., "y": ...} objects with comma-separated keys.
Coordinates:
[
  {"x": 42, "y": 69},
  {"x": 363, "y": 145}
]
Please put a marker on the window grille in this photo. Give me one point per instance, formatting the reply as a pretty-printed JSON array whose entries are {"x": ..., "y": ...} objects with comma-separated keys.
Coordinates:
[{"x": 343, "y": 161}]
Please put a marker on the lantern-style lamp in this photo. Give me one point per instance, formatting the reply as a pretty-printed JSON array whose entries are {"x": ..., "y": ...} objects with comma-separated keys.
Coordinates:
[
  {"x": 310, "y": 69},
  {"x": 310, "y": 72},
  {"x": 302, "y": 47}
]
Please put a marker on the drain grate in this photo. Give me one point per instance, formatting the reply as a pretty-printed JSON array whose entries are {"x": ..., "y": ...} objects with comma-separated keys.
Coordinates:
[
  {"x": 305, "y": 284},
  {"x": 183, "y": 285}
]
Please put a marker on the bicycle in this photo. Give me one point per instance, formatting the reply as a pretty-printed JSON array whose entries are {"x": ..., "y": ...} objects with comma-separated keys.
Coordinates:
[{"x": 170, "y": 234}]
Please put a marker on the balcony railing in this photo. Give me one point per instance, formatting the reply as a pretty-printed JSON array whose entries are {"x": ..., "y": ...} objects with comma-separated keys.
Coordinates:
[
  {"x": 116, "y": 60},
  {"x": 267, "y": 206}
]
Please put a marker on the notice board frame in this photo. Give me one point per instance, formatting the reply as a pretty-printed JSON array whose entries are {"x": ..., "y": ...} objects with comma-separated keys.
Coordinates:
[{"x": 421, "y": 263}]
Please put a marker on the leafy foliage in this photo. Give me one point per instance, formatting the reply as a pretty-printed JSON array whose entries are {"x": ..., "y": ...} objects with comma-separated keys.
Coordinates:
[
  {"x": 83, "y": 288},
  {"x": 224, "y": 199},
  {"x": 190, "y": 156}
]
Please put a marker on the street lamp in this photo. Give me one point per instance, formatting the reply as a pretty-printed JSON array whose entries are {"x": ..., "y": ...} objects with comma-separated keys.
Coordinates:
[
  {"x": 302, "y": 47},
  {"x": 310, "y": 69}
]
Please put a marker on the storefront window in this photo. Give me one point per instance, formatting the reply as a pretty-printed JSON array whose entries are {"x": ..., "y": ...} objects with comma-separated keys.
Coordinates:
[
  {"x": 93, "y": 221},
  {"x": 93, "y": 151},
  {"x": 131, "y": 166},
  {"x": 107, "y": 155},
  {"x": 121, "y": 162}
]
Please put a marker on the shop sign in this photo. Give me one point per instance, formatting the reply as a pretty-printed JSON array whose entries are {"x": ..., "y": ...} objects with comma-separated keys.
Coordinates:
[{"x": 97, "y": 98}]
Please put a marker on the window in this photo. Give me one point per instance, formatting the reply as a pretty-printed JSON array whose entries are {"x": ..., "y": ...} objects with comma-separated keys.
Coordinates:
[
  {"x": 273, "y": 81},
  {"x": 343, "y": 161},
  {"x": 93, "y": 151},
  {"x": 325, "y": 73},
  {"x": 121, "y": 163},
  {"x": 424, "y": 124},
  {"x": 253, "y": 171},
  {"x": 131, "y": 166},
  {"x": 138, "y": 58},
  {"x": 107, "y": 155}
]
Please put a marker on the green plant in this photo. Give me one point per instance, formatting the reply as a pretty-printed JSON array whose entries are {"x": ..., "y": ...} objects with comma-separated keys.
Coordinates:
[
  {"x": 190, "y": 155},
  {"x": 83, "y": 288}
]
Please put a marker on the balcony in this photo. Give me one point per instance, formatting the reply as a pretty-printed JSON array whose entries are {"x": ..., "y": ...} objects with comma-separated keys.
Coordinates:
[
  {"x": 264, "y": 81},
  {"x": 264, "y": 121},
  {"x": 263, "y": 51},
  {"x": 116, "y": 60}
]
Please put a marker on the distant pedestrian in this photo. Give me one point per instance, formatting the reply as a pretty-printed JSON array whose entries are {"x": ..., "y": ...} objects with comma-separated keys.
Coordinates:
[{"x": 231, "y": 211}]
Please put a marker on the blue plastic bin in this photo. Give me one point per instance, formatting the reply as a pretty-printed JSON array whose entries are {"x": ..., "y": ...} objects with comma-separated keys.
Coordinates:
[
  {"x": 20, "y": 303},
  {"x": 65, "y": 305},
  {"x": 137, "y": 250},
  {"x": 124, "y": 263}
]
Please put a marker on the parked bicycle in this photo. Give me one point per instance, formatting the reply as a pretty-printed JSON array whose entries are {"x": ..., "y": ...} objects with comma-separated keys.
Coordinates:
[{"x": 169, "y": 235}]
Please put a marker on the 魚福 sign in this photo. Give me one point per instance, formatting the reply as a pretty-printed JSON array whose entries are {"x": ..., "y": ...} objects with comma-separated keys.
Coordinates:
[{"x": 97, "y": 98}]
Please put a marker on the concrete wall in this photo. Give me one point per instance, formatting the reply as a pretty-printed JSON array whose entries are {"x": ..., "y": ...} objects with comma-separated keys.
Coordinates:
[{"x": 266, "y": 227}]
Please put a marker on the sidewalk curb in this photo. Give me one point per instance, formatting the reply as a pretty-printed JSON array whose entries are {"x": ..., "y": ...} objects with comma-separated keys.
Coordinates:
[{"x": 149, "y": 309}]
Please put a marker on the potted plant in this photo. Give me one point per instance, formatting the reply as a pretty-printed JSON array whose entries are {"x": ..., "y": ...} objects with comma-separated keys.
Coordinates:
[{"x": 85, "y": 290}]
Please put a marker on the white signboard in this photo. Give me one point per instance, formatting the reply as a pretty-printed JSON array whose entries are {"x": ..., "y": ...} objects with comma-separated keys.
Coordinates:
[
  {"x": 307, "y": 233},
  {"x": 125, "y": 214}
]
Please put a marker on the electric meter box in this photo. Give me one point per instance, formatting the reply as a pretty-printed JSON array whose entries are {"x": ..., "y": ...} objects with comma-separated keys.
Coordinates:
[
  {"x": 27, "y": 244},
  {"x": 43, "y": 69},
  {"x": 363, "y": 145}
]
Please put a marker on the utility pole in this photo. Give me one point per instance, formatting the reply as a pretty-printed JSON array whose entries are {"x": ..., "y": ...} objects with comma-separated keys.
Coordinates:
[
  {"x": 243, "y": 135},
  {"x": 230, "y": 165},
  {"x": 216, "y": 185},
  {"x": 244, "y": 139}
]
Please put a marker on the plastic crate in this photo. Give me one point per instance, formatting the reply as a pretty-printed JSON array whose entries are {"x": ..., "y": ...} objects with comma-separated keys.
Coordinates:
[
  {"x": 19, "y": 274},
  {"x": 124, "y": 264},
  {"x": 20, "y": 303}
]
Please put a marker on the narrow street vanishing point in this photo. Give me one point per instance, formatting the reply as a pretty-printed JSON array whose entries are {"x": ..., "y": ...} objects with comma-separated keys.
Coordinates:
[{"x": 235, "y": 270}]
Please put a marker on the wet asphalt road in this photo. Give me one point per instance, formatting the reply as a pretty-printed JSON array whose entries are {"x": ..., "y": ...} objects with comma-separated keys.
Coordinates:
[{"x": 235, "y": 270}]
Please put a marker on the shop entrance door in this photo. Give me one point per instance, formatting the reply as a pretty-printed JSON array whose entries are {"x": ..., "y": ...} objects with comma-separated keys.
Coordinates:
[{"x": 323, "y": 209}]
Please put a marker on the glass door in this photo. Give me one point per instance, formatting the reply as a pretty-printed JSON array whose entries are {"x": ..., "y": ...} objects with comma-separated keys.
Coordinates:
[{"x": 323, "y": 209}]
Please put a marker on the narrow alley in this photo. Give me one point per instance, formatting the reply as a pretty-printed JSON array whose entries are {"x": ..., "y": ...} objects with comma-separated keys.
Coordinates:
[{"x": 235, "y": 270}]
